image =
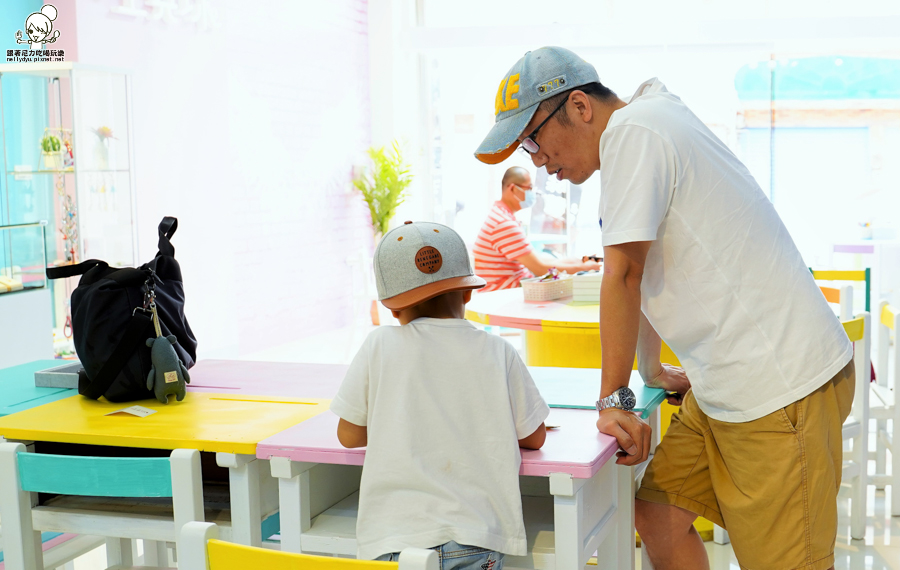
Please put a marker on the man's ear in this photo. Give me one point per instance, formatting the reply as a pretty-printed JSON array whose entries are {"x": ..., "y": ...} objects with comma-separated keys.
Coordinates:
[
  {"x": 395, "y": 313},
  {"x": 467, "y": 296},
  {"x": 583, "y": 110}
]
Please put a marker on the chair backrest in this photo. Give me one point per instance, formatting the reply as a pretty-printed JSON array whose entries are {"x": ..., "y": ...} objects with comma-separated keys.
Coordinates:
[
  {"x": 861, "y": 275},
  {"x": 888, "y": 320},
  {"x": 200, "y": 549},
  {"x": 843, "y": 297},
  {"x": 859, "y": 332},
  {"x": 177, "y": 476}
]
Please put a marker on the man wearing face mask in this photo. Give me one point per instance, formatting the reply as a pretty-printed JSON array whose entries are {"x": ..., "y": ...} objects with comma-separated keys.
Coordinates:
[{"x": 503, "y": 256}]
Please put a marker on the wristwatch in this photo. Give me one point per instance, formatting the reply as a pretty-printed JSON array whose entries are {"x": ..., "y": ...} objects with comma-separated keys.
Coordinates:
[{"x": 623, "y": 398}]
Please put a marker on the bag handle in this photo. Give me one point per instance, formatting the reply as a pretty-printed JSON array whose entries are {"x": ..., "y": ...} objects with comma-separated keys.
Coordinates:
[
  {"x": 136, "y": 333},
  {"x": 73, "y": 270},
  {"x": 166, "y": 229}
]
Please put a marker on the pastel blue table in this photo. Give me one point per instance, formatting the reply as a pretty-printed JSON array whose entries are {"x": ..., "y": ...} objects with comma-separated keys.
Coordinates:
[
  {"x": 18, "y": 392},
  {"x": 579, "y": 388}
]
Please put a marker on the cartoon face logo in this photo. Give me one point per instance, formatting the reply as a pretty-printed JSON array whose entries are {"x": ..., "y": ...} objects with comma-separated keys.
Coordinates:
[{"x": 39, "y": 27}]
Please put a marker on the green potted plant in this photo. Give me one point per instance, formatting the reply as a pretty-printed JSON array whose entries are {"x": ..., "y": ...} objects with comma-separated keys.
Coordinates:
[
  {"x": 51, "y": 152},
  {"x": 383, "y": 186}
]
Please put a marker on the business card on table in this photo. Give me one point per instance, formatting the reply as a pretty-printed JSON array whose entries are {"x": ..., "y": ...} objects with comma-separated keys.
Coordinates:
[{"x": 139, "y": 411}]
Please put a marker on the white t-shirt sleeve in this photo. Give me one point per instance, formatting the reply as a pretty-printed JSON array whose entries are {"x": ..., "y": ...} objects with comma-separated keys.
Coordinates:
[
  {"x": 637, "y": 179},
  {"x": 529, "y": 408},
  {"x": 352, "y": 400}
]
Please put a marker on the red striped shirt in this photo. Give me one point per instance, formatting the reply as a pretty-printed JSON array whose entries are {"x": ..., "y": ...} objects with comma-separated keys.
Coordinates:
[{"x": 499, "y": 243}]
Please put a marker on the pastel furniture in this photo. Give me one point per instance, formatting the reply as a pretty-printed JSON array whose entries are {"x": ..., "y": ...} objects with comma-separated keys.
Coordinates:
[
  {"x": 60, "y": 549},
  {"x": 73, "y": 477},
  {"x": 884, "y": 406},
  {"x": 563, "y": 334},
  {"x": 576, "y": 500},
  {"x": 201, "y": 550},
  {"x": 855, "y": 428},
  {"x": 17, "y": 389},
  {"x": 863, "y": 276},
  {"x": 842, "y": 297},
  {"x": 228, "y": 424}
]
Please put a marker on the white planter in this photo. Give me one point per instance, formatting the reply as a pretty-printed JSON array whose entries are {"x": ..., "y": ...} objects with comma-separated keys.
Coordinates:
[{"x": 52, "y": 160}]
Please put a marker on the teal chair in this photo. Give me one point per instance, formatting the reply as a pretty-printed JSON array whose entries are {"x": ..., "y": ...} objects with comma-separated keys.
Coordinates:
[{"x": 90, "y": 501}]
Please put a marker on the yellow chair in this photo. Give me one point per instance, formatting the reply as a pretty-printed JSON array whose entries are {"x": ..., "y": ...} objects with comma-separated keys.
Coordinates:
[
  {"x": 884, "y": 404},
  {"x": 200, "y": 549},
  {"x": 859, "y": 275}
]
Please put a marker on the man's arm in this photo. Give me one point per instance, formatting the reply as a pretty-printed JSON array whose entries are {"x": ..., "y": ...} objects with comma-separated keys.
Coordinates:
[
  {"x": 620, "y": 310},
  {"x": 670, "y": 378},
  {"x": 541, "y": 264}
]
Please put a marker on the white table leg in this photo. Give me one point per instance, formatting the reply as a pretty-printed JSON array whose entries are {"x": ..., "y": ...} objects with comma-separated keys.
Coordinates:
[
  {"x": 720, "y": 535},
  {"x": 568, "y": 512},
  {"x": 246, "y": 513},
  {"x": 625, "y": 517},
  {"x": 293, "y": 500}
]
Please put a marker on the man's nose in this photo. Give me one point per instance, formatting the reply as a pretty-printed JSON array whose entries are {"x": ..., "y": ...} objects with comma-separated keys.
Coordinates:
[{"x": 539, "y": 159}]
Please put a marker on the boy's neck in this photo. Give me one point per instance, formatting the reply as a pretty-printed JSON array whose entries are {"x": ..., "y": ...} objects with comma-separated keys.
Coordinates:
[
  {"x": 407, "y": 316},
  {"x": 443, "y": 312}
]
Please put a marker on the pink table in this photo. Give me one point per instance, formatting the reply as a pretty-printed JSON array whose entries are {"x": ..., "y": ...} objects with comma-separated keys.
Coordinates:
[
  {"x": 253, "y": 491},
  {"x": 575, "y": 447},
  {"x": 589, "y": 507},
  {"x": 267, "y": 378}
]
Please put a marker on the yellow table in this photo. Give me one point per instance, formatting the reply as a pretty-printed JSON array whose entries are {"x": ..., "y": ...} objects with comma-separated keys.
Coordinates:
[
  {"x": 204, "y": 421},
  {"x": 230, "y": 425},
  {"x": 563, "y": 334}
]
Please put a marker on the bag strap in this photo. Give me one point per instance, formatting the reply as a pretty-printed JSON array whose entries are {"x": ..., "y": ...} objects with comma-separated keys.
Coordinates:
[
  {"x": 73, "y": 270},
  {"x": 135, "y": 334},
  {"x": 167, "y": 228}
]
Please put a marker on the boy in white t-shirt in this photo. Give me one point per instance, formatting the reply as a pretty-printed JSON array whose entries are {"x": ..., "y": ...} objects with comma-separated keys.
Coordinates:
[{"x": 443, "y": 408}]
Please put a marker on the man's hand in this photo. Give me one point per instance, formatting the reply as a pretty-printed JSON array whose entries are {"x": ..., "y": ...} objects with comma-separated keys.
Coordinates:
[
  {"x": 671, "y": 379},
  {"x": 632, "y": 433}
]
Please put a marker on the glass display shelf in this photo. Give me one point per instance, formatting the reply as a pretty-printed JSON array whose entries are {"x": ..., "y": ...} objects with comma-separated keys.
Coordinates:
[{"x": 23, "y": 257}]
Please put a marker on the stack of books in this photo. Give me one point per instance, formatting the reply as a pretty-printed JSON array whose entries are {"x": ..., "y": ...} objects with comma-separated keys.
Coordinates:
[{"x": 586, "y": 287}]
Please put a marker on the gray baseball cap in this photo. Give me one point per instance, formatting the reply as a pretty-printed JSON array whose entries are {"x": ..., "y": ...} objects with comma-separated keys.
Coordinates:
[
  {"x": 540, "y": 74},
  {"x": 421, "y": 260}
]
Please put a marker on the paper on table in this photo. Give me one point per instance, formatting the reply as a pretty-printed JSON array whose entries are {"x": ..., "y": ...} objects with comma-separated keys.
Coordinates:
[{"x": 139, "y": 411}]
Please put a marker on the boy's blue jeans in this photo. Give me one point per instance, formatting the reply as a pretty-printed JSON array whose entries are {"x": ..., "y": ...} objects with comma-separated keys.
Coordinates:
[{"x": 453, "y": 556}]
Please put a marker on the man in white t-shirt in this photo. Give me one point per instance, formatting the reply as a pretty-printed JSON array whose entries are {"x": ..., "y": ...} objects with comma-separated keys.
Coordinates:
[
  {"x": 696, "y": 254},
  {"x": 443, "y": 408}
]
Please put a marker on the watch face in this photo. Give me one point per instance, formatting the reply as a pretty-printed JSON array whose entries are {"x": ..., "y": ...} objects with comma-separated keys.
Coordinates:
[{"x": 627, "y": 398}]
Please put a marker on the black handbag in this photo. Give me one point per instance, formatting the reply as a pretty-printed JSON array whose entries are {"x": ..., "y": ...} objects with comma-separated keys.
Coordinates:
[{"x": 112, "y": 318}]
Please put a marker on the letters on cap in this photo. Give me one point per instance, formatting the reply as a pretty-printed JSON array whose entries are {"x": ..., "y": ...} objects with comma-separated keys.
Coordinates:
[
  {"x": 504, "y": 100},
  {"x": 428, "y": 259}
]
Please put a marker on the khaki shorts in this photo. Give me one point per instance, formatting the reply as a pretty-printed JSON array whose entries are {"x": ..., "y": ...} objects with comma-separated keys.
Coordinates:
[{"x": 771, "y": 482}]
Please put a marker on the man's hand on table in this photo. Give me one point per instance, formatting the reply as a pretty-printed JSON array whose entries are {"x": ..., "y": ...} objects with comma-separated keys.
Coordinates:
[
  {"x": 632, "y": 433},
  {"x": 671, "y": 379}
]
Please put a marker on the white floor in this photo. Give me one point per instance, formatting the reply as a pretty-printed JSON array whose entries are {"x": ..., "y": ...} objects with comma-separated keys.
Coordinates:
[{"x": 879, "y": 551}]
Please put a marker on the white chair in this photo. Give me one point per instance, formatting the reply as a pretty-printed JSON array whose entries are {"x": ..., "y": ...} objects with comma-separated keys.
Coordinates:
[
  {"x": 855, "y": 429},
  {"x": 79, "y": 482},
  {"x": 884, "y": 404},
  {"x": 842, "y": 297},
  {"x": 200, "y": 549}
]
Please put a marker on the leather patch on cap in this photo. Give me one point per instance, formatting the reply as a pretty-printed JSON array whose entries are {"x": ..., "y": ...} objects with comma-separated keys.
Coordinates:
[{"x": 428, "y": 260}]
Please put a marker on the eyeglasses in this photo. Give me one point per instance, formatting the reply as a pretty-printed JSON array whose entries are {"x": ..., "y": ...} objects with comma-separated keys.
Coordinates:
[{"x": 528, "y": 145}]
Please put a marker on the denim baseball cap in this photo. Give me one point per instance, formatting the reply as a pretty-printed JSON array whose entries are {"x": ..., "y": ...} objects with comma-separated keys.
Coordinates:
[
  {"x": 540, "y": 74},
  {"x": 418, "y": 261}
]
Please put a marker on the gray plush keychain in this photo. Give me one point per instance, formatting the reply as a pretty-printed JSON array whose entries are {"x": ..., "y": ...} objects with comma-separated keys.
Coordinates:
[{"x": 168, "y": 374}]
